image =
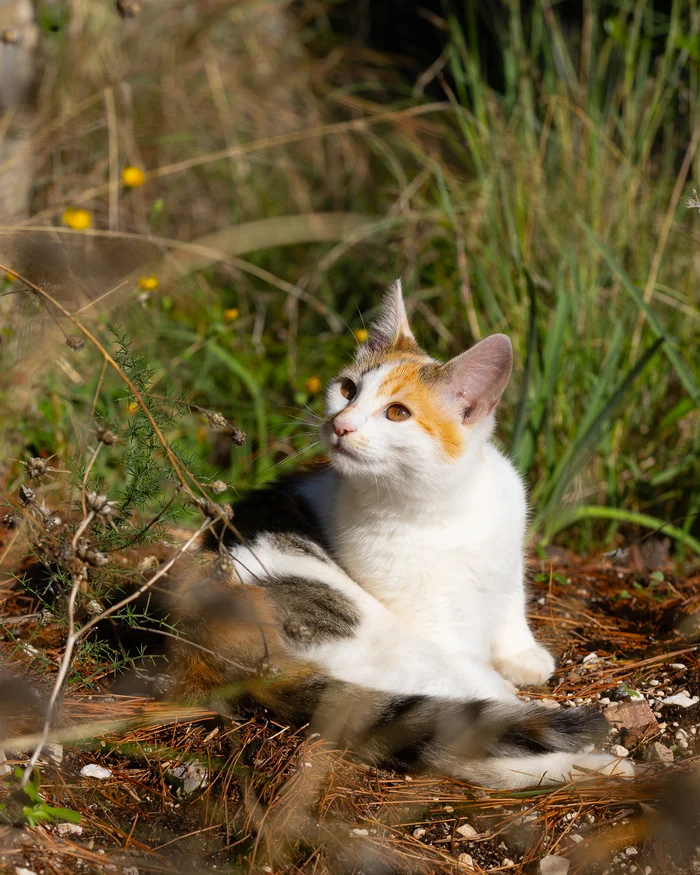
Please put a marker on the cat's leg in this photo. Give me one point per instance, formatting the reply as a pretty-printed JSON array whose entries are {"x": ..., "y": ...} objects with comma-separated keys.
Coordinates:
[{"x": 514, "y": 652}]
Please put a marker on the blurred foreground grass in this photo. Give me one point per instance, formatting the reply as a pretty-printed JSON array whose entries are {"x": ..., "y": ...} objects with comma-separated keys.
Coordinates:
[{"x": 291, "y": 175}]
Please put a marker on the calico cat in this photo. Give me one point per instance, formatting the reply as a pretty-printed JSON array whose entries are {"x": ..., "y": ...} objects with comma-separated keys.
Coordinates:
[{"x": 386, "y": 587}]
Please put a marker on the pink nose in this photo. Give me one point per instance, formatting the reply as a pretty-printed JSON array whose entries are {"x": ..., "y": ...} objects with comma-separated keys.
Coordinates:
[{"x": 342, "y": 428}]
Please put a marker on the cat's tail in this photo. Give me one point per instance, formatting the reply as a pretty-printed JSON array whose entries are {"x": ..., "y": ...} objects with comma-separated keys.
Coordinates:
[{"x": 509, "y": 743}]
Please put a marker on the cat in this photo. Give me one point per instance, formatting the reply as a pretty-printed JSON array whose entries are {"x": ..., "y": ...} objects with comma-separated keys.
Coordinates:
[{"x": 387, "y": 585}]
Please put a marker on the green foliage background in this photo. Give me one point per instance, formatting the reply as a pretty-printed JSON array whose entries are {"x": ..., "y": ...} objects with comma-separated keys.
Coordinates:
[{"x": 553, "y": 209}]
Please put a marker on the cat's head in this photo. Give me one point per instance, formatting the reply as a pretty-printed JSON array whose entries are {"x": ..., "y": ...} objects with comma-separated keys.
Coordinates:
[{"x": 396, "y": 411}]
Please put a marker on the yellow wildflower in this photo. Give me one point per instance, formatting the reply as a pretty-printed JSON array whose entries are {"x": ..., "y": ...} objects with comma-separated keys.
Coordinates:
[
  {"x": 77, "y": 218},
  {"x": 132, "y": 407},
  {"x": 10, "y": 277},
  {"x": 133, "y": 177},
  {"x": 149, "y": 283},
  {"x": 312, "y": 385},
  {"x": 361, "y": 335},
  {"x": 231, "y": 314}
]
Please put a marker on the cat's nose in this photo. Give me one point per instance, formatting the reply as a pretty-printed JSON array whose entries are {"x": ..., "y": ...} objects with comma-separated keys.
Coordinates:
[{"x": 342, "y": 427}]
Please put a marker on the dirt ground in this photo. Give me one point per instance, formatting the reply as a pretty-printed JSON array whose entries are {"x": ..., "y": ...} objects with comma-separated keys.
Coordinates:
[{"x": 186, "y": 790}]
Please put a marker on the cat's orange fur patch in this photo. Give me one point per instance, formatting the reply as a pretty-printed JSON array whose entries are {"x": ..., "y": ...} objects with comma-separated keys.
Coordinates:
[{"x": 405, "y": 385}]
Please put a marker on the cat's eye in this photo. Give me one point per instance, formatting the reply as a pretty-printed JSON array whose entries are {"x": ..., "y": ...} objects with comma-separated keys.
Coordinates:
[
  {"x": 397, "y": 413},
  {"x": 348, "y": 389}
]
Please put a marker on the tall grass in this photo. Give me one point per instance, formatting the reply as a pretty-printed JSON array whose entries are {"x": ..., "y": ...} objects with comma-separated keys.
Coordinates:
[{"x": 551, "y": 209}]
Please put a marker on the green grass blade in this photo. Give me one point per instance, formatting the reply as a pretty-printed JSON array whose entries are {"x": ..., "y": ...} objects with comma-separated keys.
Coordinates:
[
  {"x": 591, "y": 512},
  {"x": 672, "y": 353},
  {"x": 521, "y": 411}
]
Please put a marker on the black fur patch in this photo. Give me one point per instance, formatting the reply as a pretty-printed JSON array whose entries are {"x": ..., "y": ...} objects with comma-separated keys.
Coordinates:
[
  {"x": 275, "y": 509},
  {"x": 315, "y": 607}
]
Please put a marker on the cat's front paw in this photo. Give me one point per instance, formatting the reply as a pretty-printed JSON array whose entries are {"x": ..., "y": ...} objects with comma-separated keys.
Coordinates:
[{"x": 530, "y": 667}]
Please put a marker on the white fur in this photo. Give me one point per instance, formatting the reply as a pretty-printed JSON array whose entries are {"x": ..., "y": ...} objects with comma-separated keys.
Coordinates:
[{"x": 429, "y": 549}]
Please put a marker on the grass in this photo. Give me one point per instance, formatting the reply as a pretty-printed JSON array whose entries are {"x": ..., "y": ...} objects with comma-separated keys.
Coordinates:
[{"x": 552, "y": 210}]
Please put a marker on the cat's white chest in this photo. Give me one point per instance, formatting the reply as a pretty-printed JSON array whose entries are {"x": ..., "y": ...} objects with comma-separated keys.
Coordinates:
[{"x": 428, "y": 574}]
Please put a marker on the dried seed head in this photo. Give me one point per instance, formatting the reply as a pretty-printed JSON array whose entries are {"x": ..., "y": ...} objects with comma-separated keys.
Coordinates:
[
  {"x": 87, "y": 553},
  {"x": 26, "y": 495},
  {"x": 36, "y": 468},
  {"x": 215, "y": 511},
  {"x": 128, "y": 8},
  {"x": 267, "y": 669},
  {"x": 296, "y": 630},
  {"x": 11, "y": 37},
  {"x": 94, "y": 608},
  {"x": 218, "y": 486},
  {"x": 75, "y": 342},
  {"x": 223, "y": 567},
  {"x": 64, "y": 554},
  {"x": 216, "y": 420},
  {"x": 238, "y": 437},
  {"x": 45, "y": 617},
  {"x": 105, "y": 436},
  {"x": 99, "y": 504},
  {"x": 11, "y": 520}
]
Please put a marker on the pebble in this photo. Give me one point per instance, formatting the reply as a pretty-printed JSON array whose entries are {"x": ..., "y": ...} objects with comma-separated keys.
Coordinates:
[
  {"x": 617, "y": 750},
  {"x": 465, "y": 861},
  {"x": 507, "y": 862},
  {"x": 467, "y": 831},
  {"x": 554, "y": 865},
  {"x": 682, "y": 739},
  {"x": 575, "y": 837},
  {"x": 631, "y": 851},
  {"x": 20, "y": 870},
  {"x": 4, "y": 768},
  {"x": 418, "y": 833},
  {"x": 679, "y": 665},
  {"x": 682, "y": 699},
  {"x": 359, "y": 832},
  {"x": 192, "y": 776},
  {"x": 658, "y": 753},
  {"x": 92, "y": 770},
  {"x": 67, "y": 829}
]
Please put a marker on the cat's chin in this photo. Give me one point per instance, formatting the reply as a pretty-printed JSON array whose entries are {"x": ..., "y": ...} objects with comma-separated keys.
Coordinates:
[{"x": 347, "y": 461}]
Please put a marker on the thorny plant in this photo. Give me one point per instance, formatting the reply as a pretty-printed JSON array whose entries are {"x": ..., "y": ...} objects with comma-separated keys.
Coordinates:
[{"x": 78, "y": 550}]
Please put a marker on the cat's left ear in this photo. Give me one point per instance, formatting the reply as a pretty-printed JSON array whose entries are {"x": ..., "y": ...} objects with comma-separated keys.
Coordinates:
[
  {"x": 391, "y": 329},
  {"x": 476, "y": 379}
]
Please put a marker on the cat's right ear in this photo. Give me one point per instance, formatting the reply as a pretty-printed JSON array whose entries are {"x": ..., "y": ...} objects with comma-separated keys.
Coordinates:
[{"x": 390, "y": 330}]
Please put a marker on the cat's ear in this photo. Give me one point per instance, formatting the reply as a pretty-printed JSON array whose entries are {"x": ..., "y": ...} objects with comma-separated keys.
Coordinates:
[
  {"x": 476, "y": 379},
  {"x": 391, "y": 329}
]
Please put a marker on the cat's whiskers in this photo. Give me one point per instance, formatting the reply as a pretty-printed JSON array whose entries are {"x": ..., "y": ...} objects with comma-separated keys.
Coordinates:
[{"x": 295, "y": 455}]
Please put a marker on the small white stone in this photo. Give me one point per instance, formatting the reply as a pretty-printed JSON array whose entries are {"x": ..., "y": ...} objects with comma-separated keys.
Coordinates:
[
  {"x": 682, "y": 699},
  {"x": 654, "y": 683},
  {"x": 359, "y": 832},
  {"x": 575, "y": 837},
  {"x": 554, "y": 865},
  {"x": 506, "y": 862},
  {"x": 605, "y": 700},
  {"x": 67, "y": 829},
  {"x": 467, "y": 831},
  {"x": 20, "y": 870},
  {"x": 418, "y": 832},
  {"x": 448, "y": 808},
  {"x": 592, "y": 657},
  {"x": 4, "y": 768},
  {"x": 550, "y": 703},
  {"x": 679, "y": 665},
  {"x": 92, "y": 770},
  {"x": 617, "y": 750},
  {"x": 465, "y": 861},
  {"x": 631, "y": 851}
]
